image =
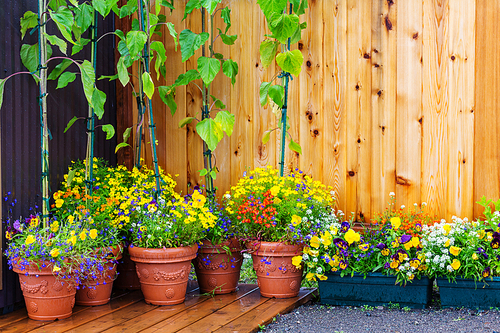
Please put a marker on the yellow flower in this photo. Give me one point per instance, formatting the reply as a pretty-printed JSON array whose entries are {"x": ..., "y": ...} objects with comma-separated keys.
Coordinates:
[
  {"x": 34, "y": 221},
  {"x": 386, "y": 252},
  {"x": 29, "y": 240},
  {"x": 455, "y": 250},
  {"x": 415, "y": 241},
  {"x": 71, "y": 240},
  {"x": 474, "y": 256},
  {"x": 326, "y": 239},
  {"x": 395, "y": 222},
  {"x": 296, "y": 261},
  {"x": 83, "y": 235},
  {"x": 59, "y": 203},
  {"x": 54, "y": 252},
  {"x": 71, "y": 218},
  {"x": 56, "y": 269},
  {"x": 455, "y": 264},
  {"x": 352, "y": 236},
  {"x": 8, "y": 235},
  {"x": 447, "y": 228},
  {"x": 275, "y": 190},
  {"x": 315, "y": 241},
  {"x": 296, "y": 220},
  {"x": 93, "y": 233},
  {"x": 310, "y": 277},
  {"x": 394, "y": 264},
  {"x": 408, "y": 245},
  {"x": 447, "y": 243},
  {"x": 481, "y": 234},
  {"x": 54, "y": 226},
  {"x": 321, "y": 277}
]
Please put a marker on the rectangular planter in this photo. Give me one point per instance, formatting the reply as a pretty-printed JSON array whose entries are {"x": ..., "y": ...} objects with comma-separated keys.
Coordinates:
[
  {"x": 375, "y": 290},
  {"x": 469, "y": 293}
]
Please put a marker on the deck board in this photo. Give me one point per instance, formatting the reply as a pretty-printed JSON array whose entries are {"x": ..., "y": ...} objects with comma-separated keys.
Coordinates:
[{"x": 242, "y": 311}]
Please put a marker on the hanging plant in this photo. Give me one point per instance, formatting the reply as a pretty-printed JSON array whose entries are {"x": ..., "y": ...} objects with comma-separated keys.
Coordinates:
[
  {"x": 215, "y": 119},
  {"x": 285, "y": 29}
]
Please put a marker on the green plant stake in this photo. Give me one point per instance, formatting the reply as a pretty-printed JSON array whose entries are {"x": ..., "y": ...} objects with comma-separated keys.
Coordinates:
[
  {"x": 211, "y": 130},
  {"x": 285, "y": 30}
]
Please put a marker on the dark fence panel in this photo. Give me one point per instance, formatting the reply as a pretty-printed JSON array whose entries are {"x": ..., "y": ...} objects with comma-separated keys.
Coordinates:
[{"x": 20, "y": 124}]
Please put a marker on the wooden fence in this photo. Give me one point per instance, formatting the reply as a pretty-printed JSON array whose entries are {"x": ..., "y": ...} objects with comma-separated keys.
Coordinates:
[{"x": 394, "y": 96}]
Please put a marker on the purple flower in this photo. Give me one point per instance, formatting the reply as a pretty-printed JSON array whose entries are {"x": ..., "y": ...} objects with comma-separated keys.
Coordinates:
[
  {"x": 387, "y": 265},
  {"x": 381, "y": 246},
  {"x": 404, "y": 239},
  {"x": 344, "y": 226},
  {"x": 486, "y": 272},
  {"x": 17, "y": 225},
  {"x": 495, "y": 243},
  {"x": 340, "y": 243}
]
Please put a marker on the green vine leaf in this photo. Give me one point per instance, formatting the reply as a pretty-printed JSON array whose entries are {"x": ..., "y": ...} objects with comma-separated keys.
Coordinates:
[
  {"x": 28, "y": 21},
  {"x": 98, "y": 100},
  {"x": 80, "y": 44},
  {"x": 208, "y": 69},
  {"x": 213, "y": 174},
  {"x": 71, "y": 175},
  {"x": 83, "y": 16},
  {"x": 88, "y": 80},
  {"x": 210, "y": 5},
  {"x": 54, "y": 4},
  {"x": 203, "y": 172},
  {"x": 147, "y": 83},
  {"x": 122, "y": 72},
  {"x": 297, "y": 36},
  {"x": 173, "y": 33},
  {"x": 299, "y": 6},
  {"x": 127, "y": 133},
  {"x": 121, "y": 145},
  {"x": 190, "y": 6},
  {"x": 167, "y": 95},
  {"x": 263, "y": 92},
  {"x": 268, "y": 49},
  {"x": 70, "y": 123},
  {"x": 161, "y": 56},
  {"x": 284, "y": 26},
  {"x": 56, "y": 41},
  {"x": 128, "y": 9},
  {"x": 227, "y": 39},
  {"x": 190, "y": 42},
  {"x": 266, "y": 137},
  {"x": 225, "y": 14},
  {"x": 104, "y": 6},
  {"x": 277, "y": 94},
  {"x": 291, "y": 61},
  {"x": 135, "y": 42},
  {"x": 218, "y": 103},
  {"x": 187, "y": 77},
  {"x": 2, "y": 86},
  {"x": 185, "y": 121},
  {"x": 109, "y": 130},
  {"x": 64, "y": 20},
  {"x": 226, "y": 121},
  {"x": 230, "y": 69},
  {"x": 270, "y": 7},
  {"x": 210, "y": 132},
  {"x": 56, "y": 72},
  {"x": 65, "y": 79},
  {"x": 295, "y": 146}
]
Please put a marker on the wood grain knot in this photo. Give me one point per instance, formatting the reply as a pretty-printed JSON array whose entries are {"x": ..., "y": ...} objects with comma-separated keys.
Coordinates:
[
  {"x": 351, "y": 173},
  {"x": 402, "y": 181}
]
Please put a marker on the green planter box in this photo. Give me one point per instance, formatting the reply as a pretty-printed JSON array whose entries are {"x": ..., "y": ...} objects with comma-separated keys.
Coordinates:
[
  {"x": 470, "y": 294},
  {"x": 375, "y": 290}
]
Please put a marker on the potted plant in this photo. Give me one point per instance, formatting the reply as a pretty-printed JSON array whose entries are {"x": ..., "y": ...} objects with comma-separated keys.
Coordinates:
[
  {"x": 464, "y": 257},
  {"x": 98, "y": 210},
  {"x": 274, "y": 215},
  {"x": 164, "y": 235},
  {"x": 356, "y": 268},
  {"x": 52, "y": 260},
  {"x": 219, "y": 259}
]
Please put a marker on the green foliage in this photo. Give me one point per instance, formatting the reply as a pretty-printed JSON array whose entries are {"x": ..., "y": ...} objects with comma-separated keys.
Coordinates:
[
  {"x": 230, "y": 69},
  {"x": 148, "y": 85},
  {"x": 28, "y": 21},
  {"x": 268, "y": 49},
  {"x": 70, "y": 123},
  {"x": 2, "y": 86},
  {"x": 190, "y": 42},
  {"x": 277, "y": 93},
  {"x": 135, "y": 42},
  {"x": 210, "y": 131},
  {"x": 290, "y": 61},
  {"x": 208, "y": 69},
  {"x": 65, "y": 79},
  {"x": 109, "y": 130},
  {"x": 56, "y": 41},
  {"x": 167, "y": 96}
]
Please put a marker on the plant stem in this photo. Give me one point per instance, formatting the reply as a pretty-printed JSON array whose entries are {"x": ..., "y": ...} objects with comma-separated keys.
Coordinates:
[{"x": 42, "y": 56}]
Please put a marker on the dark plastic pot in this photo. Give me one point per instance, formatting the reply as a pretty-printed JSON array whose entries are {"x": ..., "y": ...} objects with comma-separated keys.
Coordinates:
[
  {"x": 374, "y": 290},
  {"x": 469, "y": 293}
]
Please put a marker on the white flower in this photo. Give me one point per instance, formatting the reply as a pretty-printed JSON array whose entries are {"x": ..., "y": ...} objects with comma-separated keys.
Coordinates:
[
  {"x": 402, "y": 206},
  {"x": 332, "y": 193},
  {"x": 134, "y": 225},
  {"x": 227, "y": 196},
  {"x": 305, "y": 256},
  {"x": 319, "y": 270},
  {"x": 392, "y": 194},
  {"x": 424, "y": 204},
  {"x": 441, "y": 265},
  {"x": 149, "y": 236},
  {"x": 449, "y": 268},
  {"x": 415, "y": 204},
  {"x": 315, "y": 259}
]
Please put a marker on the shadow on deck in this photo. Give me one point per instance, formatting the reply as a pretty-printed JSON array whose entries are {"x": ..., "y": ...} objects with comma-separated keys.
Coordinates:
[{"x": 242, "y": 311}]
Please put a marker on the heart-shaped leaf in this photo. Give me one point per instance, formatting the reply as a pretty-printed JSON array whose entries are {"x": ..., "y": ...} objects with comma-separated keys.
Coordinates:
[{"x": 291, "y": 61}]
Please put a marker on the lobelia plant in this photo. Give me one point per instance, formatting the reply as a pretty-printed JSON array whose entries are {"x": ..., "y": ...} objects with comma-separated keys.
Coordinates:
[
  {"x": 211, "y": 130},
  {"x": 72, "y": 20},
  {"x": 285, "y": 30}
]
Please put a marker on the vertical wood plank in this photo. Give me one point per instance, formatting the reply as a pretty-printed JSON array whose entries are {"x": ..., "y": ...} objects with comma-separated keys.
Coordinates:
[
  {"x": 311, "y": 110},
  {"x": 242, "y": 101},
  {"x": 460, "y": 188},
  {"x": 487, "y": 122},
  {"x": 383, "y": 94},
  {"x": 409, "y": 102},
  {"x": 334, "y": 97},
  {"x": 358, "y": 185},
  {"x": 175, "y": 137},
  {"x": 194, "y": 105},
  {"x": 435, "y": 104}
]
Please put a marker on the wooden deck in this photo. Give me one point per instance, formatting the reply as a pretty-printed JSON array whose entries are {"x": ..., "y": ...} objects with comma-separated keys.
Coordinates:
[{"x": 242, "y": 311}]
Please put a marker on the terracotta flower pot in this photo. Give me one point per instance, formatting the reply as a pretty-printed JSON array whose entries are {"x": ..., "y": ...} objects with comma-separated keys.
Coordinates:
[
  {"x": 218, "y": 272},
  {"x": 276, "y": 275},
  {"x": 98, "y": 291},
  {"x": 163, "y": 273},
  {"x": 127, "y": 275},
  {"x": 47, "y": 296}
]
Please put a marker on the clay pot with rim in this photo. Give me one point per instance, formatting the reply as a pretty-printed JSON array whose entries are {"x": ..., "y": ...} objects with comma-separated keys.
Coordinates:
[
  {"x": 97, "y": 291},
  {"x": 163, "y": 273},
  {"x": 276, "y": 275},
  {"x": 47, "y": 296},
  {"x": 127, "y": 275},
  {"x": 218, "y": 270}
]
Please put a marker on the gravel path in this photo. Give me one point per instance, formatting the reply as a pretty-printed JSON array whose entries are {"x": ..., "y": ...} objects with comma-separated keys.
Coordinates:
[{"x": 321, "y": 318}]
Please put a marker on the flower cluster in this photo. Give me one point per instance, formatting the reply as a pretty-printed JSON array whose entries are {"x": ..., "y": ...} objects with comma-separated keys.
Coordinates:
[
  {"x": 268, "y": 207},
  {"x": 462, "y": 248}
]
